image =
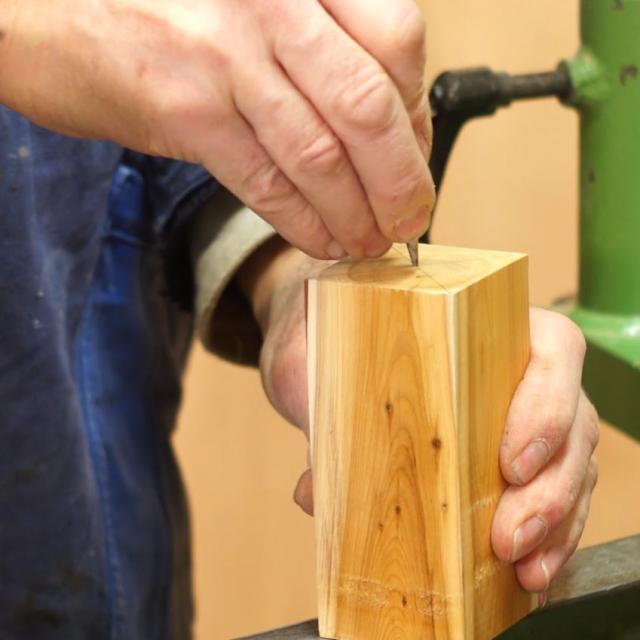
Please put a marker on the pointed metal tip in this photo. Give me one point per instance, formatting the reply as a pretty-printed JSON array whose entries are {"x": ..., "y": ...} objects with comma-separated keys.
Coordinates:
[{"x": 412, "y": 247}]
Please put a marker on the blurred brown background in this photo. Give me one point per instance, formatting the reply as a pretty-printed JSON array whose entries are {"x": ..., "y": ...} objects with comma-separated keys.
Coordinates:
[{"x": 511, "y": 184}]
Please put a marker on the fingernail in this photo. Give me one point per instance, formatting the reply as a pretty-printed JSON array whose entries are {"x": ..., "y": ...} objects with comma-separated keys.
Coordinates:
[
  {"x": 528, "y": 536},
  {"x": 530, "y": 461},
  {"x": 547, "y": 575},
  {"x": 335, "y": 251},
  {"x": 413, "y": 226},
  {"x": 542, "y": 599},
  {"x": 552, "y": 561}
]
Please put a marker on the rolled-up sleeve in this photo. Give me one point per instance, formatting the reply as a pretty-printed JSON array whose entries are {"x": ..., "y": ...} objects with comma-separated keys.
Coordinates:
[{"x": 223, "y": 234}]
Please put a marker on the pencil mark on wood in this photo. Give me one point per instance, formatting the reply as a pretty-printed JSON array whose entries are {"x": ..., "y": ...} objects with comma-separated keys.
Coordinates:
[
  {"x": 485, "y": 572},
  {"x": 377, "y": 595},
  {"x": 485, "y": 502}
]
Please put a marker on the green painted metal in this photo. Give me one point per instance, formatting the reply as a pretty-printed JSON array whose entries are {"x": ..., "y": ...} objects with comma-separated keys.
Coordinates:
[
  {"x": 606, "y": 76},
  {"x": 612, "y": 366},
  {"x": 606, "y": 79}
]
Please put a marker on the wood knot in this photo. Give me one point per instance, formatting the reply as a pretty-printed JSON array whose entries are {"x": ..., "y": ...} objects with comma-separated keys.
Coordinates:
[
  {"x": 398, "y": 510},
  {"x": 404, "y": 601},
  {"x": 445, "y": 506},
  {"x": 388, "y": 407},
  {"x": 436, "y": 443},
  {"x": 380, "y": 526}
]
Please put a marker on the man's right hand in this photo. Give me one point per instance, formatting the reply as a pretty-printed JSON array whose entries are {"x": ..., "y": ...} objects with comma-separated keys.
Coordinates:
[{"x": 313, "y": 112}]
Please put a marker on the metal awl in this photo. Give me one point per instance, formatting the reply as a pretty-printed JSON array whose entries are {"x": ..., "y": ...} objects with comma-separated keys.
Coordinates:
[{"x": 412, "y": 247}]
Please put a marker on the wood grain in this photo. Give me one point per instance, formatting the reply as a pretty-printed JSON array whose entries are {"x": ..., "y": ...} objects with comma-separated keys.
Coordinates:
[{"x": 411, "y": 374}]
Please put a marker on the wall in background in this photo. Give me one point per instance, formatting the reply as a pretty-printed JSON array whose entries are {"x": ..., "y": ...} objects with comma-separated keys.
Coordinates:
[{"x": 511, "y": 184}]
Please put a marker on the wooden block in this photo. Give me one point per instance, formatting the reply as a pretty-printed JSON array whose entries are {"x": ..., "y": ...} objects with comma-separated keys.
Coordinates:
[{"x": 411, "y": 373}]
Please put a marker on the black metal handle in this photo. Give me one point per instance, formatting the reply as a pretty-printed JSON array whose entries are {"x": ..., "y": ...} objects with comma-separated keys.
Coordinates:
[{"x": 458, "y": 96}]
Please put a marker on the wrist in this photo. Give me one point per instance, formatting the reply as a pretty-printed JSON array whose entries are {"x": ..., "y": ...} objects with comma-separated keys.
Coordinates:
[{"x": 274, "y": 266}]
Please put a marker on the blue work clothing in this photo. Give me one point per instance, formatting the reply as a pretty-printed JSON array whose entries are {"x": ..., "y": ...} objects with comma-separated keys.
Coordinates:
[{"x": 94, "y": 328}]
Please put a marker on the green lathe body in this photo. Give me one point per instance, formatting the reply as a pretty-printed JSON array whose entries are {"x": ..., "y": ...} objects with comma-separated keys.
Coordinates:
[{"x": 606, "y": 80}]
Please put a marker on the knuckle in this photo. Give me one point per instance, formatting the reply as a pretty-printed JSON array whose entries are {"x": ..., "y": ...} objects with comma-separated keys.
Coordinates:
[
  {"x": 265, "y": 189},
  {"x": 557, "y": 508},
  {"x": 560, "y": 420},
  {"x": 408, "y": 35},
  {"x": 563, "y": 501},
  {"x": 573, "y": 336},
  {"x": 302, "y": 218},
  {"x": 565, "y": 332},
  {"x": 298, "y": 222},
  {"x": 407, "y": 195},
  {"x": 367, "y": 103},
  {"x": 501, "y": 542},
  {"x": 323, "y": 155},
  {"x": 308, "y": 223}
]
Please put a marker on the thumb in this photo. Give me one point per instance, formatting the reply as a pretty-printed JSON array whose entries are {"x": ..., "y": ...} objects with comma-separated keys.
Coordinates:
[
  {"x": 303, "y": 493},
  {"x": 283, "y": 365}
]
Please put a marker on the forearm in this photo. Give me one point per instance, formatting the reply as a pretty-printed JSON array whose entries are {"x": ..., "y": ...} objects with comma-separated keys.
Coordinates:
[
  {"x": 32, "y": 67},
  {"x": 77, "y": 69}
]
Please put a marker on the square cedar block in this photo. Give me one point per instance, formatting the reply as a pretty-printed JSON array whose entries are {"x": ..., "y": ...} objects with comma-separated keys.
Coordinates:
[{"x": 411, "y": 373}]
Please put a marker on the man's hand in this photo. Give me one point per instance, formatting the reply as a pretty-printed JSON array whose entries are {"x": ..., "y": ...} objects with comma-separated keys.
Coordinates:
[
  {"x": 549, "y": 439},
  {"x": 313, "y": 113},
  {"x": 547, "y": 456}
]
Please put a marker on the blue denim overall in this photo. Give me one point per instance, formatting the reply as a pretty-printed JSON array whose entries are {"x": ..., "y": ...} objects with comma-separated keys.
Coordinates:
[{"x": 94, "y": 327}]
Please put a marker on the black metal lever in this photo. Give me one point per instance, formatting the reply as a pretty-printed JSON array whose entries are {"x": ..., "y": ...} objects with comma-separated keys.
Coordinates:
[{"x": 458, "y": 96}]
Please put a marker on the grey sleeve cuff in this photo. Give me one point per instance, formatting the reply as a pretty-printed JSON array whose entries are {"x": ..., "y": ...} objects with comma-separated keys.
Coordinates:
[{"x": 223, "y": 235}]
